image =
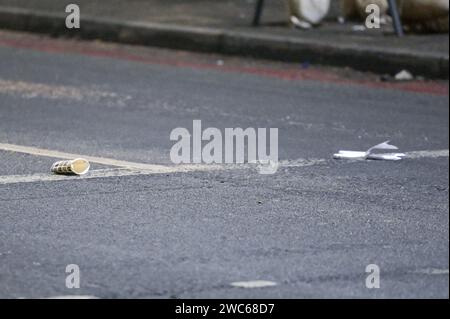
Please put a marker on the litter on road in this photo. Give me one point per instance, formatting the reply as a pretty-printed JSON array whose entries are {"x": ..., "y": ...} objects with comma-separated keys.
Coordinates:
[
  {"x": 78, "y": 166},
  {"x": 370, "y": 155},
  {"x": 404, "y": 76}
]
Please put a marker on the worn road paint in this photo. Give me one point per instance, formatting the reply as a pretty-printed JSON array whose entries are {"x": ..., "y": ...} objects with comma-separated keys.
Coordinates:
[
  {"x": 132, "y": 168},
  {"x": 432, "y": 271},
  {"x": 253, "y": 284},
  {"x": 30, "y": 90},
  {"x": 106, "y": 161},
  {"x": 73, "y": 297},
  {"x": 428, "y": 154},
  {"x": 31, "y": 178}
]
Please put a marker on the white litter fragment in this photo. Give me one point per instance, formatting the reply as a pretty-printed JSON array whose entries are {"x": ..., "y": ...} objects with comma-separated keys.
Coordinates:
[
  {"x": 301, "y": 24},
  {"x": 266, "y": 167},
  {"x": 370, "y": 155},
  {"x": 358, "y": 28},
  {"x": 254, "y": 284},
  {"x": 73, "y": 297},
  {"x": 404, "y": 76},
  {"x": 382, "y": 146}
]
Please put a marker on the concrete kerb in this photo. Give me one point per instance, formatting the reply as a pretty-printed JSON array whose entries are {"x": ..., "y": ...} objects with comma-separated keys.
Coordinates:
[{"x": 230, "y": 41}]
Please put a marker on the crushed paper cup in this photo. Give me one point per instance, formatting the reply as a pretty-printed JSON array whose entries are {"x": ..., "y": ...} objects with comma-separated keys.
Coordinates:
[
  {"x": 370, "y": 155},
  {"x": 78, "y": 166}
]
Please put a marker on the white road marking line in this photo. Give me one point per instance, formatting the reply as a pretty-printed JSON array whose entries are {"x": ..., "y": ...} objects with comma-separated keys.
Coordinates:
[
  {"x": 73, "y": 297},
  {"x": 133, "y": 168},
  {"x": 108, "y": 161},
  {"x": 31, "y": 178},
  {"x": 253, "y": 284},
  {"x": 432, "y": 271},
  {"x": 301, "y": 162},
  {"x": 148, "y": 168},
  {"x": 428, "y": 154}
]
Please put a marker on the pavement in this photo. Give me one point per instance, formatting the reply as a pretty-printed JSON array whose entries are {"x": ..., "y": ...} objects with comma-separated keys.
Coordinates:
[
  {"x": 311, "y": 228},
  {"x": 224, "y": 27}
]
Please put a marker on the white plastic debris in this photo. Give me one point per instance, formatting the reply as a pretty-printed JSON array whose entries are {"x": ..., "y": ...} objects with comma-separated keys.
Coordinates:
[
  {"x": 358, "y": 28},
  {"x": 370, "y": 155},
  {"x": 404, "y": 76},
  {"x": 78, "y": 166},
  {"x": 311, "y": 11},
  {"x": 266, "y": 167},
  {"x": 301, "y": 24}
]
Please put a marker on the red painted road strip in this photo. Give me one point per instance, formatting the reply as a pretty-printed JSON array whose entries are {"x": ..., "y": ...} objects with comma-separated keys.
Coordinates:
[{"x": 88, "y": 49}]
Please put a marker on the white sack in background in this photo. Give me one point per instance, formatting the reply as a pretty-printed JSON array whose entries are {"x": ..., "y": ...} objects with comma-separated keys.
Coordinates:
[{"x": 311, "y": 11}]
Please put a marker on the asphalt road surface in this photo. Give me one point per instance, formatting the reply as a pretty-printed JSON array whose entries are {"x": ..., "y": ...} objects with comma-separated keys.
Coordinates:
[{"x": 161, "y": 232}]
